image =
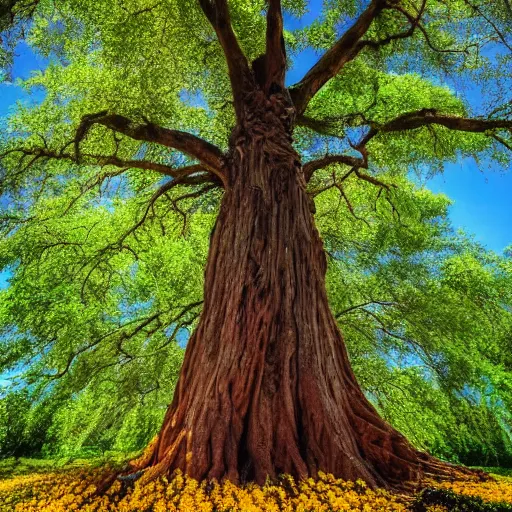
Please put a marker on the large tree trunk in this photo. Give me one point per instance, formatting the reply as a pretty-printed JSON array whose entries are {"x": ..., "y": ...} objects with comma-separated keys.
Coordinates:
[{"x": 266, "y": 386}]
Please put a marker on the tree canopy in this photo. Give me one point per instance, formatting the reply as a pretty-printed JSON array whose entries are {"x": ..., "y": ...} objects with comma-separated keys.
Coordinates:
[{"x": 111, "y": 181}]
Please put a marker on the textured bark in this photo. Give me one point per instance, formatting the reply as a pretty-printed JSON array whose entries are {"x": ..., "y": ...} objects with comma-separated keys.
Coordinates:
[{"x": 266, "y": 386}]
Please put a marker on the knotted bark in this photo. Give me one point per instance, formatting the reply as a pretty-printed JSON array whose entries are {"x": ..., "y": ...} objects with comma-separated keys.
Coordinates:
[{"x": 266, "y": 386}]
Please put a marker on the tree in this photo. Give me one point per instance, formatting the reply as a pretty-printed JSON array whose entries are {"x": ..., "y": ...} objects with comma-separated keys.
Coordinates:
[
  {"x": 266, "y": 385},
  {"x": 401, "y": 290}
]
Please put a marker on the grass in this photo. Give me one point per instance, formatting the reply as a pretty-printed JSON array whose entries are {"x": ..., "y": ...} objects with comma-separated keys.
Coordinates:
[{"x": 18, "y": 466}]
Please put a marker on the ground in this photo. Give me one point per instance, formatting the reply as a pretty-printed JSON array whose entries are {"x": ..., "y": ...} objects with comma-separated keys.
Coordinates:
[{"x": 49, "y": 485}]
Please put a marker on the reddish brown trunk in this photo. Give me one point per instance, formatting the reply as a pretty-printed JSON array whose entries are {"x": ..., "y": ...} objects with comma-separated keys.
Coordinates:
[{"x": 266, "y": 386}]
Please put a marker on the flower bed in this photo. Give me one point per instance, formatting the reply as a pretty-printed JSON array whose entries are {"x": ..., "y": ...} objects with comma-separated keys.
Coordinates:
[{"x": 75, "y": 490}]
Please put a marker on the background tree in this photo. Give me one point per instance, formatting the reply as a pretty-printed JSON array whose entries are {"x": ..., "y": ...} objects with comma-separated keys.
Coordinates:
[{"x": 266, "y": 385}]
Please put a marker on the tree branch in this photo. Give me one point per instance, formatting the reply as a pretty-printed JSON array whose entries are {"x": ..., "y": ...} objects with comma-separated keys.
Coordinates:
[
  {"x": 408, "y": 121},
  {"x": 275, "y": 55},
  {"x": 351, "y": 44},
  {"x": 310, "y": 167},
  {"x": 425, "y": 117},
  {"x": 96, "y": 259},
  {"x": 335, "y": 182},
  {"x": 502, "y": 141},
  {"x": 160, "y": 192},
  {"x": 329, "y": 125},
  {"x": 217, "y": 13},
  {"x": 413, "y": 21},
  {"x": 363, "y": 305},
  {"x": 124, "y": 336},
  {"x": 372, "y": 180},
  {"x": 208, "y": 154},
  {"x": 343, "y": 194},
  {"x": 102, "y": 160},
  {"x": 343, "y": 51}
]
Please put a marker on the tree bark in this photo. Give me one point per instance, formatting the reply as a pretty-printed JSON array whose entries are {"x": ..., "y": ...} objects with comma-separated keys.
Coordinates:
[{"x": 266, "y": 386}]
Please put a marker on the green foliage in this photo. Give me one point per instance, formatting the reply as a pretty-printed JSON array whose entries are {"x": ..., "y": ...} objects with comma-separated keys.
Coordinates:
[
  {"x": 456, "y": 502},
  {"x": 15, "y": 15},
  {"x": 23, "y": 424}
]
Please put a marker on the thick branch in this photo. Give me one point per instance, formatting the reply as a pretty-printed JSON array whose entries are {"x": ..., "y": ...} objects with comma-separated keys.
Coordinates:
[
  {"x": 188, "y": 175},
  {"x": 217, "y": 13},
  {"x": 349, "y": 46},
  {"x": 150, "y": 166},
  {"x": 344, "y": 50},
  {"x": 425, "y": 117},
  {"x": 275, "y": 52},
  {"x": 208, "y": 154}
]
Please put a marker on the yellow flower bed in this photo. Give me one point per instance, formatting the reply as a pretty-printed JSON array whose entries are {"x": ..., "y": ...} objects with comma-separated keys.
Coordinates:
[{"x": 74, "y": 490}]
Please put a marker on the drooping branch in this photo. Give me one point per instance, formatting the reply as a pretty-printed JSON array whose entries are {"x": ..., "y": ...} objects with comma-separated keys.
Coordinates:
[
  {"x": 72, "y": 356},
  {"x": 186, "y": 176},
  {"x": 343, "y": 51},
  {"x": 152, "y": 166},
  {"x": 208, "y": 154},
  {"x": 217, "y": 13},
  {"x": 350, "y": 207},
  {"x": 363, "y": 305},
  {"x": 275, "y": 56},
  {"x": 44, "y": 153},
  {"x": 374, "y": 181},
  {"x": 124, "y": 335},
  {"x": 415, "y": 21},
  {"x": 502, "y": 141},
  {"x": 120, "y": 243},
  {"x": 332, "y": 184},
  {"x": 161, "y": 191}
]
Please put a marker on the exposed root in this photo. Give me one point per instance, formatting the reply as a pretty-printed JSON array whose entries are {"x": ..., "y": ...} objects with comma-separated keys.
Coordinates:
[
  {"x": 162, "y": 467},
  {"x": 143, "y": 461}
]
